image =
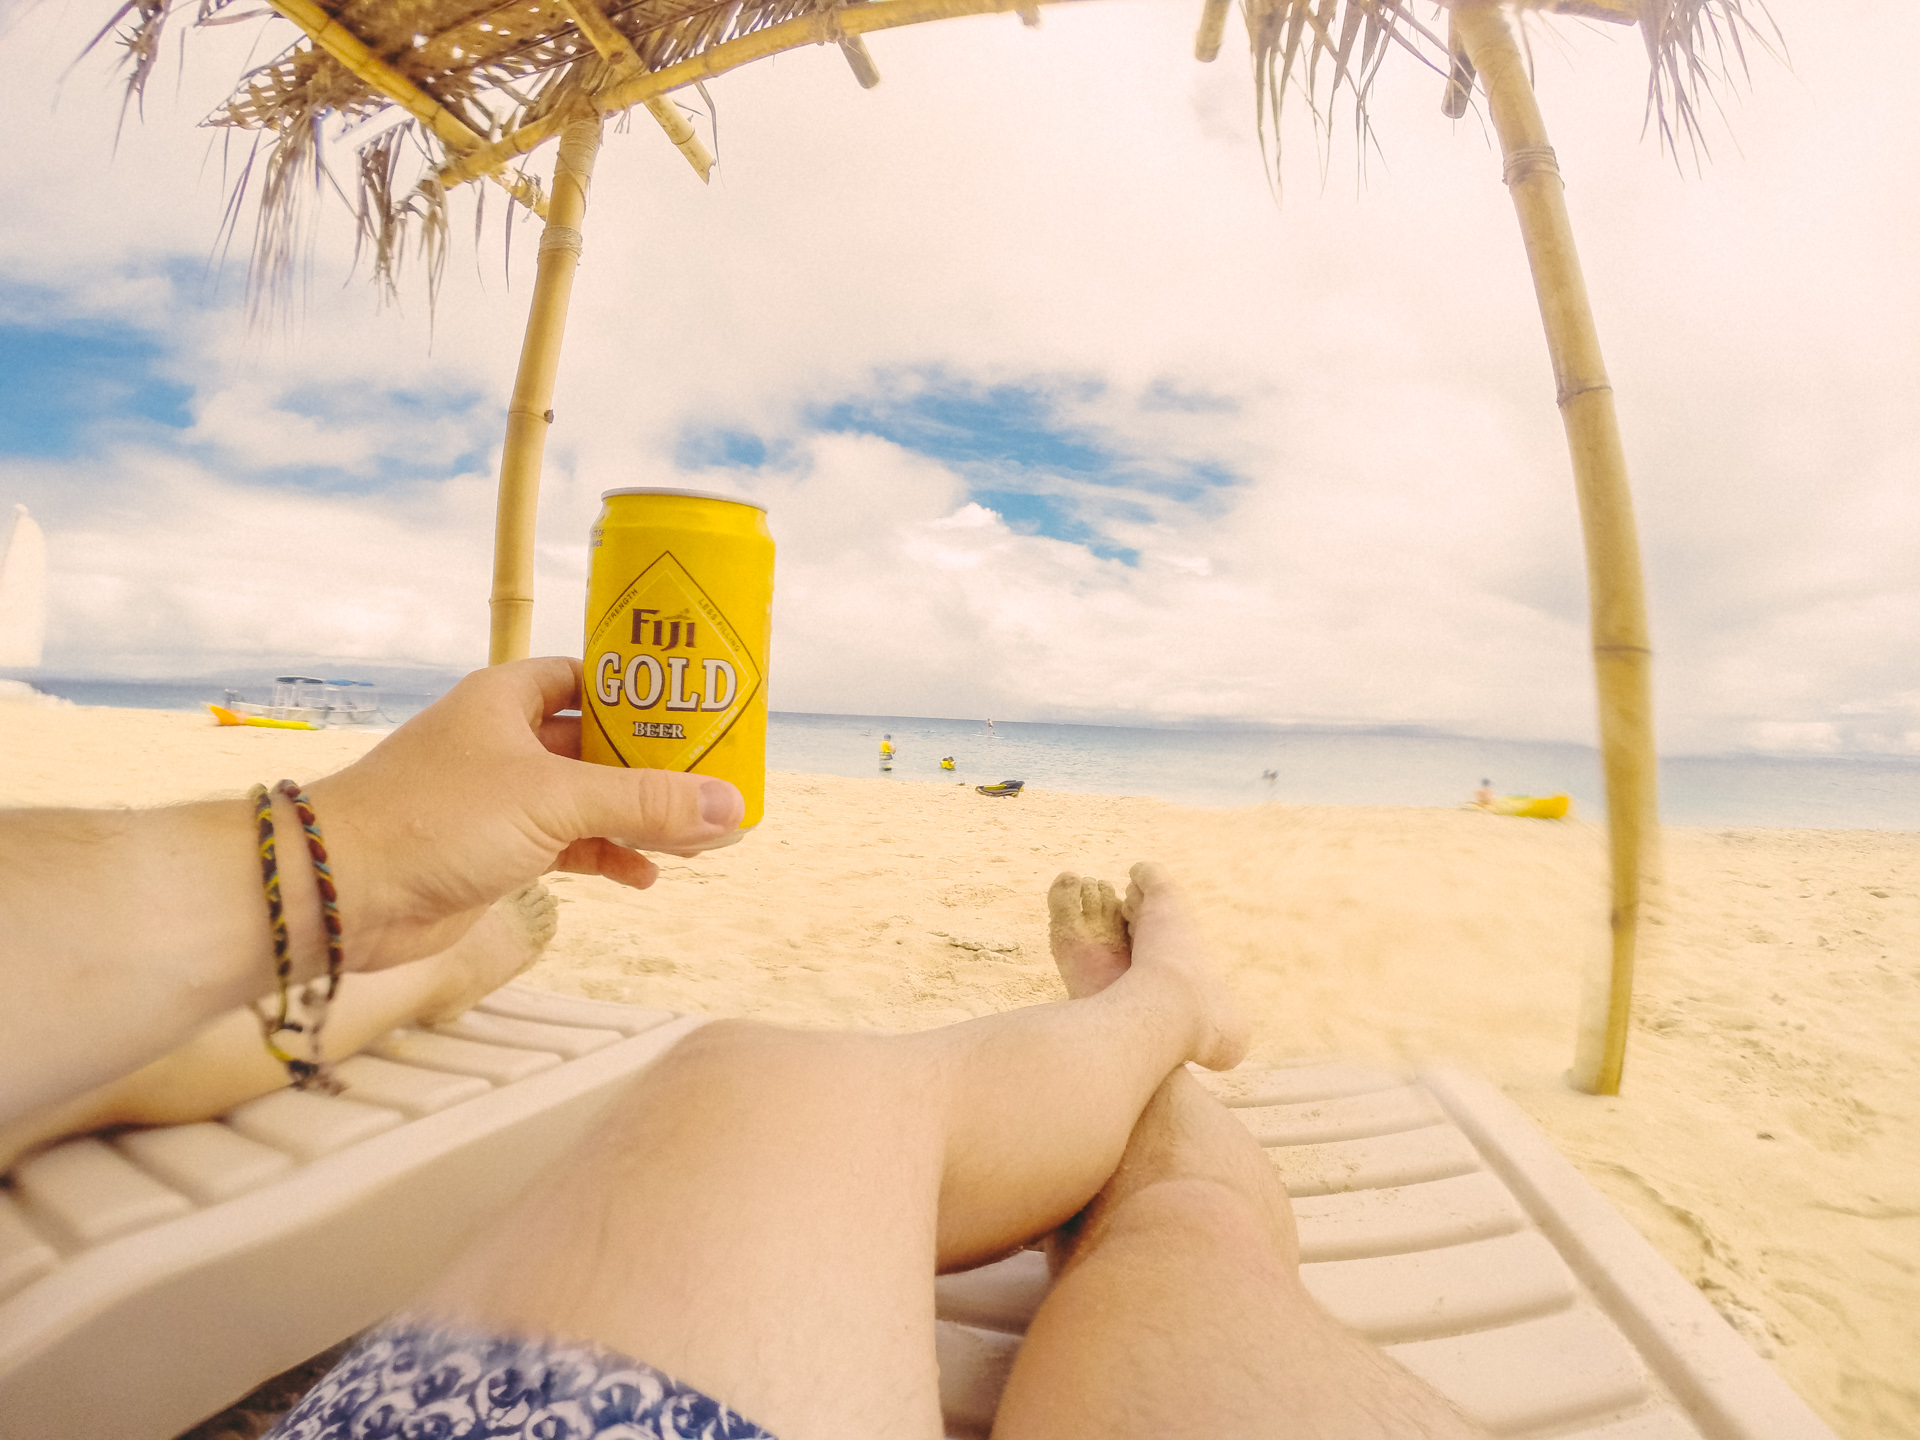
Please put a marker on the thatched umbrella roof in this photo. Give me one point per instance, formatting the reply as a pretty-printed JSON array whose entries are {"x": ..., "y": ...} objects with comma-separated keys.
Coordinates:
[{"x": 476, "y": 84}]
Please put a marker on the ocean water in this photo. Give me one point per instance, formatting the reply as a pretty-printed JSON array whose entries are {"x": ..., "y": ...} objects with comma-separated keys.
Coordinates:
[
  {"x": 1226, "y": 767},
  {"x": 1319, "y": 767}
]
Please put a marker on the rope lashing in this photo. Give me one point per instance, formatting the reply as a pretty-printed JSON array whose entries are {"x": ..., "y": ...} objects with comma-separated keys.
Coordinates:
[
  {"x": 561, "y": 237},
  {"x": 1527, "y": 160}
]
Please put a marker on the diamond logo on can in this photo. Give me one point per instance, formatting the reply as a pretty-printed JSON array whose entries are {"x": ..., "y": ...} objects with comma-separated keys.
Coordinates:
[{"x": 667, "y": 674}]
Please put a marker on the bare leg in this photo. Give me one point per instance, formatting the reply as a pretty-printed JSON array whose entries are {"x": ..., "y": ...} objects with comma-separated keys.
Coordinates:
[
  {"x": 762, "y": 1215},
  {"x": 1178, "y": 1312},
  {"x": 225, "y": 1064}
]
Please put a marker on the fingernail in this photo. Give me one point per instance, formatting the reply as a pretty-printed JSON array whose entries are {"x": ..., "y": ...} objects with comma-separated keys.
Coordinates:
[{"x": 721, "y": 804}]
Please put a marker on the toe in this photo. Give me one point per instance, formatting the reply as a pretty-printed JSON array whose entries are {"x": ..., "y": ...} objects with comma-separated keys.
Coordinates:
[
  {"x": 1064, "y": 898},
  {"x": 1146, "y": 881},
  {"x": 1107, "y": 917},
  {"x": 1090, "y": 903}
]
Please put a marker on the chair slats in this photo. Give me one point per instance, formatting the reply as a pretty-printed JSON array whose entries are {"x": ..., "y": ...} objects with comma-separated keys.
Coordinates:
[
  {"x": 1393, "y": 1221},
  {"x": 24, "y": 1256},
  {"x": 1664, "y": 1423},
  {"x": 90, "y": 1193},
  {"x": 207, "y": 1163},
  {"x": 1552, "y": 1371},
  {"x": 411, "y": 1091},
  {"x": 974, "y": 1365},
  {"x": 1297, "y": 1084},
  {"x": 1404, "y": 1159},
  {"x": 1350, "y": 1117},
  {"x": 572, "y": 1041},
  {"x": 1001, "y": 1296},
  {"x": 493, "y": 1063},
  {"x": 521, "y": 1003},
  {"x": 1447, "y": 1291},
  {"x": 307, "y": 1126}
]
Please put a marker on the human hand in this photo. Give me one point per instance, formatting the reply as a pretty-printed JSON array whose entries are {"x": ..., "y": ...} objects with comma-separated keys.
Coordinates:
[{"x": 484, "y": 791}]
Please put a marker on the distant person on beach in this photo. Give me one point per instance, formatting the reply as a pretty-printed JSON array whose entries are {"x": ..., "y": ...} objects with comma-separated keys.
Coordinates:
[
  {"x": 754, "y": 1227},
  {"x": 1483, "y": 797}
]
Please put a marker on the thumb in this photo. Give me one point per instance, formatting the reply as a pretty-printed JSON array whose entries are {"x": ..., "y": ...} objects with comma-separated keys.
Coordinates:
[{"x": 653, "y": 809}]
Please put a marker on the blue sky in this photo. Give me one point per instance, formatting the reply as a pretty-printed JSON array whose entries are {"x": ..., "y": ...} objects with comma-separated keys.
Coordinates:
[
  {"x": 69, "y": 384},
  {"x": 1021, "y": 447},
  {"x": 1056, "y": 411}
]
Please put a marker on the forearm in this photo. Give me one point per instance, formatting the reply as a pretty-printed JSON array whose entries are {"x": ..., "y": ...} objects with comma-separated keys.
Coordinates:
[{"x": 123, "y": 932}]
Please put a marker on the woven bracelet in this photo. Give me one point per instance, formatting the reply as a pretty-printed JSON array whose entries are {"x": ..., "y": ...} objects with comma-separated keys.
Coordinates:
[{"x": 276, "y": 1018}]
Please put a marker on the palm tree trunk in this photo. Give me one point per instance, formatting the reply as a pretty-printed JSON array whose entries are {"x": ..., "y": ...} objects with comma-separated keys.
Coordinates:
[
  {"x": 1621, "y": 654},
  {"x": 530, "y": 412}
]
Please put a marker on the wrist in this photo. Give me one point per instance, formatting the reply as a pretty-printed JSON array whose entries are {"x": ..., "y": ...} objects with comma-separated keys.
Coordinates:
[
  {"x": 300, "y": 904},
  {"x": 376, "y": 922}
]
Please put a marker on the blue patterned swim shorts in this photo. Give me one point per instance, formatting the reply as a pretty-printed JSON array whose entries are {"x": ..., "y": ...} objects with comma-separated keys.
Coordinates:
[{"x": 414, "y": 1381}]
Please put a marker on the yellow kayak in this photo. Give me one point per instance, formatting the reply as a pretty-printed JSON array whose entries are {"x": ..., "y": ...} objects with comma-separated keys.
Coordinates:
[
  {"x": 1533, "y": 807},
  {"x": 227, "y": 717}
]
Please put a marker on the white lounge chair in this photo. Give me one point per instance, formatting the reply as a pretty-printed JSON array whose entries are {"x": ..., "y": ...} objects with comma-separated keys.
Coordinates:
[{"x": 151, "y": 1281}]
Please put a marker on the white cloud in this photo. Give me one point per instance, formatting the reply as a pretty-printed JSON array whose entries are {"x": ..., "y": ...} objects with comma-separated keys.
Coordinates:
[{"x": 1080, "y": 204}]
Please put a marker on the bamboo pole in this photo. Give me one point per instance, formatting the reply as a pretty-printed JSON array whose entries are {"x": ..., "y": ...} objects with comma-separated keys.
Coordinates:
[
  {"x": 860, "y": 61},
  {"x": 357, "y": 57},
  {"x": 623, "y": 60},
  {"x": 1621, "y": 652},
  {"x": 1213, "y": 29},
  {"x": 820, "y": 27},
  {"x": 530, "y": 412}
]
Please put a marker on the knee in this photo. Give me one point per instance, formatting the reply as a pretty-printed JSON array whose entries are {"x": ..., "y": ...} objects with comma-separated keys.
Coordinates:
[
  {"x": 1202, "y": 1221},
  {"x": 740, "y": 1066},
  {"x": 729, "y": 1050}
]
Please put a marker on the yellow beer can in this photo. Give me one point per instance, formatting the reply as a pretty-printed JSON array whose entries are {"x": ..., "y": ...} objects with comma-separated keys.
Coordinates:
[{"x": 679, "y": 610}]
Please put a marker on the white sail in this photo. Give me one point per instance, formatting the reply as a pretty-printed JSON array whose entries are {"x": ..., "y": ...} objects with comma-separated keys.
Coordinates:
[{"x": 23, "y": 593}]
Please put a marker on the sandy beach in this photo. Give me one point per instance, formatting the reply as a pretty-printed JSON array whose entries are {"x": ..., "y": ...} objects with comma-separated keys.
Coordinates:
[{"x": 1768, "y": 1142}]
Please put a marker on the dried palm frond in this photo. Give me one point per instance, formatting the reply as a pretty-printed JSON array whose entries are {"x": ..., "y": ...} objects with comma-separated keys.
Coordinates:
[
  {"x": 1692, "y": 44},
  {"x": 1291, "y": 40},
  {"x": 1296, "y": 44},
  {"x": 141, "y": 40},
  {"x": 459, "y": 73},
  {"x": 292, "y": 98},
  {"x": 454, "y": 90}
]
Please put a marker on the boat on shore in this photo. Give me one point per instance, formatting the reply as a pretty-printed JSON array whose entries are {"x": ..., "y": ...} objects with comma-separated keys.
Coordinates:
[
  {"x": 306, "y": 702},
  {"x": 1532, "y": 807}
]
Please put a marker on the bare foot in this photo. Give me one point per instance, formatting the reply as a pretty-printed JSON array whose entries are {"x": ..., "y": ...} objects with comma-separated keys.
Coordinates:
[
  {"x": 1097, "y": 938},
  {"x": 1087, "y": 933},
  {"x": 502, "y": 943},
  {"x": 1163, "y": 937}
]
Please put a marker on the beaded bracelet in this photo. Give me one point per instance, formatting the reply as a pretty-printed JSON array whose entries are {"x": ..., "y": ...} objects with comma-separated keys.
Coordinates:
[{"x": 317, "y": 997}]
